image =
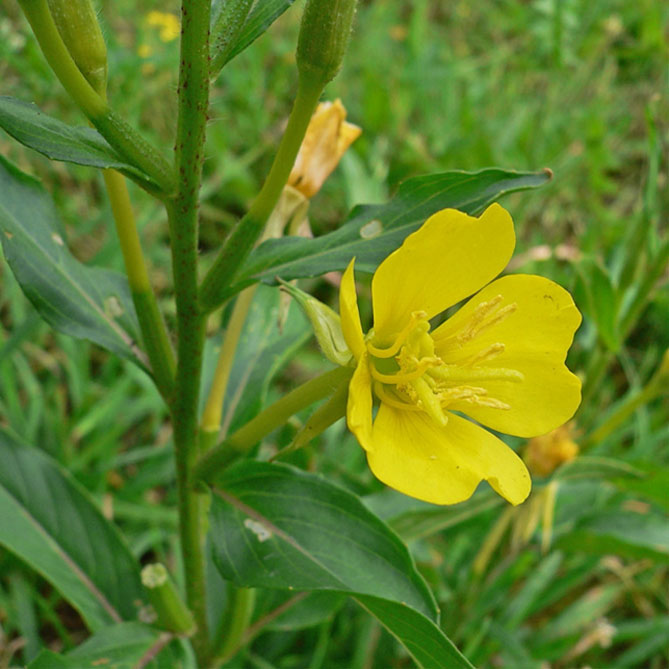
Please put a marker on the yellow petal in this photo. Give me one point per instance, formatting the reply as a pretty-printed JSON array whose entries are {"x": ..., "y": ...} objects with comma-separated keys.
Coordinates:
[
  {"x": 536, "y": 337},
  {"x": 359, "y": 406},
  {"x": 348, "y": 311},
  {"x": 450, "y": 257},
  {"x": 443, "y": 465}
]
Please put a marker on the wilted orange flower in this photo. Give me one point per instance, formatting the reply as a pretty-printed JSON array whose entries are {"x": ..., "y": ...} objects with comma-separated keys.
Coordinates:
[{"x": 326, "y": 140}]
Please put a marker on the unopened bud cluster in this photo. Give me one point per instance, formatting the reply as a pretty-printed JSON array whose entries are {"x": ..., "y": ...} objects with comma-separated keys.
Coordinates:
[{"x": 324, "y": 36}]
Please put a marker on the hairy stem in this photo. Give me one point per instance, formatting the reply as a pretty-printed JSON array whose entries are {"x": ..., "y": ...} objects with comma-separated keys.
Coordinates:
[{"x": 193, "y": 99}]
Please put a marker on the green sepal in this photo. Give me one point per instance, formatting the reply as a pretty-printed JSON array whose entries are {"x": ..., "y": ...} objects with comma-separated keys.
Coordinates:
[{"x": 325, "y": 323}]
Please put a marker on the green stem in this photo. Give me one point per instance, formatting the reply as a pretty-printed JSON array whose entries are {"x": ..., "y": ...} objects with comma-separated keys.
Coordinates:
[
  {"x": 182, "y": 212},
  {"x": 154, "y": 333},
  {"x": 247, "y": 232},
  {"x": 234, "y": 623},
  {"x": 132, "y": 146},
  {"x": 211, "y": 416},
  {"x": 268, "y": 420}
]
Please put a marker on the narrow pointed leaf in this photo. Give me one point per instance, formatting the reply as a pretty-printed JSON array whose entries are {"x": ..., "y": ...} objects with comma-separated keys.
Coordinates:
[
  {"x": 59, "y": 141},
  {"x": 86, "y": 302},
  {"x": 49, "y": 521},
  {"x": 373, "y": 232},
  {"x": 275, "y": 526},
  {"x": 260, "y": 18}
]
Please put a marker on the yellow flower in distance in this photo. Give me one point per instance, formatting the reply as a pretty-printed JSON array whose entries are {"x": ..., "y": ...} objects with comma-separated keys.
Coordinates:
[
  {"x": 325, "y": 142},
  {"x": 547, "y": 452},
  {"x": 499, "y": 359},
  {"x": 169, "y": 25}
]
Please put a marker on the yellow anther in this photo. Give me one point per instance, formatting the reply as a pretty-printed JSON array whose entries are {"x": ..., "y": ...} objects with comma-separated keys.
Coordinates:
[
  {"x": 487, "y": 353},
  {"x": 389, "y": 398},
  {"x": 458, "y": 373}
]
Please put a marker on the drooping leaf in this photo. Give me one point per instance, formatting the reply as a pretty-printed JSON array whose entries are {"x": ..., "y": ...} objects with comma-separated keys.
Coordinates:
[
  {"x": 59, "y": 141},
  {"x": 423, "y": 638},
  {"x": 373, "y": 232},
  {"x": 86, "y": 302},
  {"x": 49, "y": 521},
  {"x": 259, "y": 19},
  {"x": 264, "y": 347},
  {"x": 275, "y": 526}
]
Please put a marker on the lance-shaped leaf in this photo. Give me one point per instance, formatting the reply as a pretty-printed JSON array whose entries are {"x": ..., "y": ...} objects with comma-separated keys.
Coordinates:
[
  {"x": 85, "y": 302},
  {"x": 59, "y": 141},
  {"x": 373, "y": 232},
  {"x": 49, "y": 521},
  {"x": 275, "y": 526},
  {"x": 237, "y": 37}
]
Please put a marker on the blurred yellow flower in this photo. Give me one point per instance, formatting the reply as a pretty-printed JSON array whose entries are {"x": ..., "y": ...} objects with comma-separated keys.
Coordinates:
[
  {"x": 325, "y": 142},
  {"x": 499, "y": 359},
  {"x": 168, "y": 24},
  {"x": 547, "y": 452}
]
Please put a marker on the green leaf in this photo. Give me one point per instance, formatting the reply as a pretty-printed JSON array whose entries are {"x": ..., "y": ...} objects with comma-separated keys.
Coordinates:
[
  {"x": 313, "y": 609},
  {"x": 263, "y": 349},
  {"x": 374, "y": 231},
  {"x": 413, "y": 519},
  {"x": 601, "y": 301},
  {"x": 261, "y": 17},
  {"x": 595, "y": 467},
  {"x": 85, "y": 302},
  {"x": 426, "y": 642},
  {"x": 49, "y": 521},
  {"x": 652, "y": 485},
  {"x": 58, "y": 141},
  {"x": 122, "y": 646},
  {"x": 621, "y": 533},
  {"x": 275, "y": 526}
]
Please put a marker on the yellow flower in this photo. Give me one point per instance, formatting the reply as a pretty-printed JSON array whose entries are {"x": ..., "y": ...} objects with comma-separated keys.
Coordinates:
[
  {"x": 325, "y": 142},
  {"x": 548, "y": 451},
  {"x": 169, "y": 25},
  {"x": 499, "y": 360}
]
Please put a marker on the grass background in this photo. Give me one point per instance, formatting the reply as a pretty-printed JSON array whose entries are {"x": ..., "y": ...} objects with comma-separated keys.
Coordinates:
[{"x": 579, "y": 86}]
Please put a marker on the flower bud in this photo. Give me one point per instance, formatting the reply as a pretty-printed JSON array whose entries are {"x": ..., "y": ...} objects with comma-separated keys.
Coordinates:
[
  {"x": 80, "y": 31},
  {"x": 324, "y": 35},
  {"x": 325, "y": 323},
  {"x": 172, "y": 613}
]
